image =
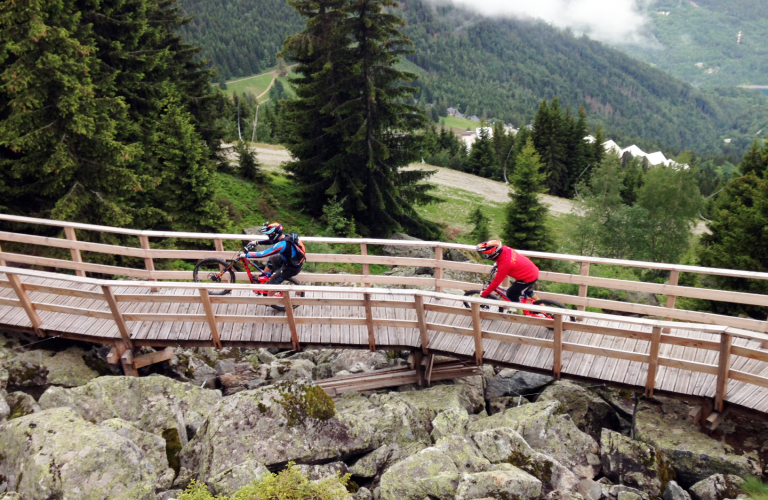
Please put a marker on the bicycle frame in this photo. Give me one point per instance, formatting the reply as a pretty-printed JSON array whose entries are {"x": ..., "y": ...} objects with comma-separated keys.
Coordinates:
[
  {"x": 502, "y": 295},
  {"x": 246, "y": 264}
]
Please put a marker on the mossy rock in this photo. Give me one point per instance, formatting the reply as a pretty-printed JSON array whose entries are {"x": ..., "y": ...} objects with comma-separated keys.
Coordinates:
[
  {"x": 635, "y": 463},
  {"x": 57, "y": 454},
  {"x": 429, "y": 473}
]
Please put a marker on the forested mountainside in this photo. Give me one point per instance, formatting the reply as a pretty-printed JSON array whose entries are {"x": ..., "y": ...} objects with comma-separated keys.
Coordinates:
[
  {"x": 240, "y": 37},
  {"x": 504, "y": 68},
  {"x": 698, "y": 41}
]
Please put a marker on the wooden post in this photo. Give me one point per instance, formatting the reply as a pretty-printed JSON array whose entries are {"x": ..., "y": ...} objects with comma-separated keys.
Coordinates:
[
  {"x": 477, "y": 326},
  {"x": 557, "y": 362},
  {"x": 583, "y": 288},
  {"x": 369, "y": 321},
  {"x": 723, "y": 365},
  {"x": 127, "y": 361},
  {"x": 653, "y": 364},
  {"x": 291, "y": 320},
  {"x": 364, "y": 251},
  {"x": 211, "y": 317},
  {"x": 117, "y": 315},
  {"x": 674, "y": 276},
  {"x": 218, "y": 244},
  {"x": 422, "y": 323},
  {"x": 2, "y": 261},
  {"x": 69, "y": 232},
  {"x": 418, "y": 357},
  {"x": 438, "y": 268},
  {"x": 149, "y": 264},
  {"x": 27, "y": 304}
]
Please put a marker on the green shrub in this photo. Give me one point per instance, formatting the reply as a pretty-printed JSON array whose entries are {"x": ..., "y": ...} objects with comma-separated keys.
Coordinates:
[
  {"x": 755, "y": 488},
  {"x": 288, "y": 484}
]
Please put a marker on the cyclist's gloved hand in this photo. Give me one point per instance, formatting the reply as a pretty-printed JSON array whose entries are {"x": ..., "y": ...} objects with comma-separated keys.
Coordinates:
[{"x": 242, "y": 255}]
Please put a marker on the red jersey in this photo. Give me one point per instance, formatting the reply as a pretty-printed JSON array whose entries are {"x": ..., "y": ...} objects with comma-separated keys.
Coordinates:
[{"x": 516, "y": 266}]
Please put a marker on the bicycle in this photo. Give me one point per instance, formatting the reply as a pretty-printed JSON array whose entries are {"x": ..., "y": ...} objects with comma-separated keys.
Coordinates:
[
  {"x": 219, "y": 271},
  {"x": 531, "y": 299}
]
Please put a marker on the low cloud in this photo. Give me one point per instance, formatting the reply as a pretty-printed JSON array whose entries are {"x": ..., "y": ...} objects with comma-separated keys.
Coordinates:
[{"x": 610, "y": 21}]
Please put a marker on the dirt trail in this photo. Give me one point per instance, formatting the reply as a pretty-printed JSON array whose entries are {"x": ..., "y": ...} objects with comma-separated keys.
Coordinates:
[{"x": 272, "y": 156}]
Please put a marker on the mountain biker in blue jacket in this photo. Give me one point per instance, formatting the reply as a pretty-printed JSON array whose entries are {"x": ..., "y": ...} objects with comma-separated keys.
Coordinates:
[{"x": 286, "y": 255}]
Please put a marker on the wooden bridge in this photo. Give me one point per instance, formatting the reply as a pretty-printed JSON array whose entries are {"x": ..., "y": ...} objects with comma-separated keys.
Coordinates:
[{"x": 690, "y": 354}]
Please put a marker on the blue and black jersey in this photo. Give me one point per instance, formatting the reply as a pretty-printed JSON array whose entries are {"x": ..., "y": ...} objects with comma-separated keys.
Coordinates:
[{"x": 290, "y": 249}]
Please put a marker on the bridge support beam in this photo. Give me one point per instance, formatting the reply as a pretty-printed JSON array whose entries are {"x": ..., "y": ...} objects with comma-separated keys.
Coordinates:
[
  {"x": 26, "y": 304},
  {"x": 723, "y": 366},
  {"x": 477, "y": 326},
  {"x": 557, "y": 362},
  {"x": 369, "y": 321},
  {"x": 69, "y": 232},
  {"x": 421, "y": 317},
  {"x": 583, "y": 289},
  {"x": 211, "y": 318},
  {"x": 653, "y": 363},
  {"x": 674, "y": 277}
]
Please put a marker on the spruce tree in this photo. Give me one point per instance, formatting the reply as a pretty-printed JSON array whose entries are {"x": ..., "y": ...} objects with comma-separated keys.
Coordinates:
[
  {"x": 482, "y": 157},
  {"x": 576, "y": 148},
  {"x": 351, "y": 129},
  {"x": 59, "y": 152},
  {"x": 481, "y": 230},
  {"x": 549, "y": 139},
  {"x": 525, "y": 226},
  {"x": 755, "y": 160},
  {"x": 249, "y": 165}
]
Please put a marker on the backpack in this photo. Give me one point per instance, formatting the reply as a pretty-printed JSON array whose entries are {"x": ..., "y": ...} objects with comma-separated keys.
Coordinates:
[{"x": 300, "y": 251}]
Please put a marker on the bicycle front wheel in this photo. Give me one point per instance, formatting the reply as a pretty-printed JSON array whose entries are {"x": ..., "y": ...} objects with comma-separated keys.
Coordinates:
[
  {"x": 212, "y": 271},
  {"x": 553, "y": 303},
  {"x": 293, "y": 294},
  {"x": 476, "y": 294}
]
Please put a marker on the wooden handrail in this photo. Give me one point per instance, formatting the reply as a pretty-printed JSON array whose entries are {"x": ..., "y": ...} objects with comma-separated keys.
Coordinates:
[
  {"x": 582, "y": 280},
  {"x": 372, "y": 241}
]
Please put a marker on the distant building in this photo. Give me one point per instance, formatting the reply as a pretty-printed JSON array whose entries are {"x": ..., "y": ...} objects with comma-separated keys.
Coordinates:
[
  {"x": 474, "y": 118},
  {"x": 589, "y": 139},
  {"x": 488, "y": 130},
  {"x": 468, "y": 138},
  {"x": 610, "y": 146}
]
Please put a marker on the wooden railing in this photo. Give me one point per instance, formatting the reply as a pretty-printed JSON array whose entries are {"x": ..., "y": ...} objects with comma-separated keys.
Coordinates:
[
  {"x": 438, "y": 263},
  {"x": 115, "y": 304}
]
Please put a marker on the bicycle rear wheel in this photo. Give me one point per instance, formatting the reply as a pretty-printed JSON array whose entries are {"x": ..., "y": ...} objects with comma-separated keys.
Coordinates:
[
  {"x": 293, "y": 294},
  {"x": 476, "y": 293},
  {"x": 553, "y": 303},
  {"x": 209, "y": 271}
]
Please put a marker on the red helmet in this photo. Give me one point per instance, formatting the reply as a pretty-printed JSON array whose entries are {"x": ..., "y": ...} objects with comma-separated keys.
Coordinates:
[{"x": 490, "y": 249}]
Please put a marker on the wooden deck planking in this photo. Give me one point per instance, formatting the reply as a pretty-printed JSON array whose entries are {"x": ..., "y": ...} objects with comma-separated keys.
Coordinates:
[{"x": 588, "y": 365}]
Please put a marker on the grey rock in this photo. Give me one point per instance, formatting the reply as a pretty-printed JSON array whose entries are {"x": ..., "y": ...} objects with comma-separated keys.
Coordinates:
[
  {"x": 508, "y": 484},
  {"x": 543, "y": 427},
  {"x": 298, "y": 421},
  {"x": 416, "y": 251},
  {"x": 673, "y": 491},
  {"x": 589, "y": 489},
  {"x": 563, "y": 495},
  {"x": 427, "y": 473},
  {"x": 363, "y": 494},
  {"x": 373, "y": 463},
  {"x": 505, "y": 446},
  {"x": 229, "y": 481},
  {"x": 498, "y": 405},
  {"x": 521, "y": 383},
  {"x": 358, "y": 361},
  {"x": 57, "y": 454},
  {"x": 695, "y": 456},
  {"x": 169, "y": 495},
  {"x": 452, "y": 421},
  {"x": 5, "y": 410},
  {"x": 717, "y": 487},
  {"x": 153, "y": 448},
  {"x": 616, "y": 490},
  {"x": 21, "y": 404},
  {"x": 39, "y": 368},
  {"x": 289, "y": 370},
  {"x": 634, "y": 463},
  {"x": 589, "y": 412},
  {"x": 317, "y": 472},
  {"x": 464, "y": 453}
]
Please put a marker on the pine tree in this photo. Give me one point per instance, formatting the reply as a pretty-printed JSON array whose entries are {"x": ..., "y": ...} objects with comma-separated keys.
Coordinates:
[
  {"x": 59, "y": 154},
  {"x": 481, "y": 230},
  {"x": 738, "y": 239},
  {"x": 351, "y": 131},
  {"x": 525, "y": 226},
  {"x": 755, "y": 161},
  {"x": 482, "y": 157},
  {"x": 576, "y": 148},
  {"x": 549, "y": 139},
  {"x": 250, "y": 168}
]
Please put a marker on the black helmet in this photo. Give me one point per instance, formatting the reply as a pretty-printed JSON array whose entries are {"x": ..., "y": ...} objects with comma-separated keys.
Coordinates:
[{"x": 273, "y": 230}]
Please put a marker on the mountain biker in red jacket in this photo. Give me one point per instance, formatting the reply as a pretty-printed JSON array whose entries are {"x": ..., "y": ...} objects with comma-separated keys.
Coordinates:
[{"x": 512, "y": 264}]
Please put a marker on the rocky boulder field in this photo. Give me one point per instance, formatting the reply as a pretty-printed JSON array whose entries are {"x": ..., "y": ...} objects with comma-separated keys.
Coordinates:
[{"x": 72, "y": 428}]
